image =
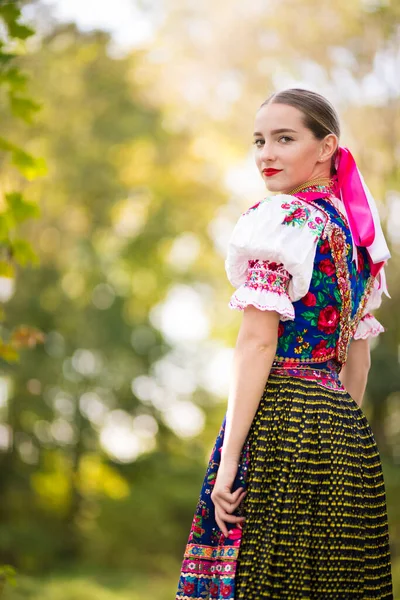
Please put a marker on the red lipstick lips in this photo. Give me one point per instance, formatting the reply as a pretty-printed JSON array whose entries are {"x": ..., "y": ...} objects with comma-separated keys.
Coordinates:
[{"x": 270, "y": 172}]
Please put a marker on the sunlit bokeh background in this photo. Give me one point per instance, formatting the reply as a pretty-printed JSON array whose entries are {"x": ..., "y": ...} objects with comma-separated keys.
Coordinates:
[{"x": 145, "y": 126}]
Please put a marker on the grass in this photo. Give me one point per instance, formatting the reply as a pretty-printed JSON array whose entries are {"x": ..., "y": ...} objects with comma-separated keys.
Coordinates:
[
  {"x": 107, "y": 585},
  {"x": 92, "y": 586}
]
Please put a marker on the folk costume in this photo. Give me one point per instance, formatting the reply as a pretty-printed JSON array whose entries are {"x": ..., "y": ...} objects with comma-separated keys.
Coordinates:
[{"x": 316, "y": 520}]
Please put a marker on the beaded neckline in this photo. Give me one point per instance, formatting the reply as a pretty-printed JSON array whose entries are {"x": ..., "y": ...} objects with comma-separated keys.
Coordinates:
[{"x": 323, "y": 184}]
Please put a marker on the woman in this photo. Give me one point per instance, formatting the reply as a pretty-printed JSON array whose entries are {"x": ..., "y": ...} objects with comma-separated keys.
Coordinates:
[{"x": 293, "y": 502}]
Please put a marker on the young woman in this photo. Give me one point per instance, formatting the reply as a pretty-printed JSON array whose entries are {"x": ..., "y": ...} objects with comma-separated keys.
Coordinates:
[{"x": 293, "y": 503}]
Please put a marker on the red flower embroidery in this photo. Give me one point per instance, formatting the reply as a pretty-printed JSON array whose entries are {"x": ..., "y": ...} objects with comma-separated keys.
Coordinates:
[
  {"x": 299, "y": 213},
  {"x": 213, "y": 589},
  {"x": 328, "y": 319},
  {"x": 321, "y": 350},
  {"x": 281, "y": 329},
  {"x": 188, "y": 588},
  {"x": 225, "y": 590},
  {"x": 273, "y": 266},
  {"x": 327, "y": 266},
  {"x": 235, "y": 534},
  {"x": 252, "y": 208},
  {"x": 309, "y": 299},
  {"x": 325, "y": 247}
]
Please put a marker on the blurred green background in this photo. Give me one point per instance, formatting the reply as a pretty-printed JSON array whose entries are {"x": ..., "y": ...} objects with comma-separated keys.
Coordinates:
[{"x": 125, "y": 160}]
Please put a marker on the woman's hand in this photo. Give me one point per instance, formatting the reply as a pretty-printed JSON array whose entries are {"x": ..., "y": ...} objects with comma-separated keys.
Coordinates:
[{"x": 224, "y": 500}]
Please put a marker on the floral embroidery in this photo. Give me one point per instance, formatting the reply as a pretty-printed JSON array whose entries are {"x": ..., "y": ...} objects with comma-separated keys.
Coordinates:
[
  {"x": 327, "y": 266},
  {"x": 321, "y": 350},
  {"x": 328, "y": 319},
  {"x": 331, "y": 288},
  {"x": 337, "y": 240},
  {"x": 325, "y": 247},
  {"x": 268, "y": 276},
  {"x": 327, "y": 377},
  {"x": 309, "y": 299},
  {"x": 255, "y": 206},
  {"x": 209, "y": 564},
  {"x": 298, "y": 213}
]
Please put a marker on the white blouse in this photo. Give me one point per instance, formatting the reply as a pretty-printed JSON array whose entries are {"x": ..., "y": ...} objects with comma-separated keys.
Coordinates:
[
  {"x": 270, "y": 258},
  {"x": 369, "y": 326}
]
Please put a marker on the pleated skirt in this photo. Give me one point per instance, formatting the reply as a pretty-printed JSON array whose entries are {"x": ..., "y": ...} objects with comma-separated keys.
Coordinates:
[{"x": 316, "y": 519}]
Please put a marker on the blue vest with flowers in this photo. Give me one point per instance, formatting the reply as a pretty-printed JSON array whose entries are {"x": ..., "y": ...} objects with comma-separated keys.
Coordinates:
[{"x": 328, "y": 315}]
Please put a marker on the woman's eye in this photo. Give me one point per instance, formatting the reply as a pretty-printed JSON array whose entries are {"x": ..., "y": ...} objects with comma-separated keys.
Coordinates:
[
  {"x": 285, "y": 137},
  {"x": 258, "y": 143}
]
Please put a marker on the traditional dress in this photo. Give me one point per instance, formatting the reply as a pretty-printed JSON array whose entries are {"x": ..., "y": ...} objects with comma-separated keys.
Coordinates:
[{"x": 316, "y": 520}]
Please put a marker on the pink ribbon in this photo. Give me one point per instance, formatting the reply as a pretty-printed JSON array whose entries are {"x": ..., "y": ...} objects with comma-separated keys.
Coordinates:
[
  {"x": 350, "y": 188},
  {"x": 354, "y": 199}
]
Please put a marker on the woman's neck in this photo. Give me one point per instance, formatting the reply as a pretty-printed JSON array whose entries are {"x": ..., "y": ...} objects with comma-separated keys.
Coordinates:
[{"x": 317, "y": 184}]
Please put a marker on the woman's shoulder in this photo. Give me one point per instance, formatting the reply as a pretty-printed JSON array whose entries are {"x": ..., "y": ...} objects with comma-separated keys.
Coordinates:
[
  {"x": 281, "y": 229},
  {"x": 282, "y": 216}
]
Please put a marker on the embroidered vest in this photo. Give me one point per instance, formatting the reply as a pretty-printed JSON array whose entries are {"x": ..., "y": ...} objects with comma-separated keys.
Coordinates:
[{"x": 328, "y": 315}]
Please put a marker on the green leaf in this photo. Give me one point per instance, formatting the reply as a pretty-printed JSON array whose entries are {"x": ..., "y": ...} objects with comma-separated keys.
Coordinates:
[
  {"x": 317, "y": 277},
  {"x": 15, "y": 78},
  {"x": 11, "y": 13},
  {"x": 8, "y": 573},
  {"x": 22, "y": 32},
  {"x": 28, "y": 165},
  {"x": 23, "y": 253},
  {"x": 309, "y": 315},
  {"x": 23, "y": 108},
  {"x": 285, "y": 343},
  {"x": 5, "y": 58},
  {"x": 20, "y": 209},
  {"x": 6, "y": 223},
  {"x": 6, "y": 145}
]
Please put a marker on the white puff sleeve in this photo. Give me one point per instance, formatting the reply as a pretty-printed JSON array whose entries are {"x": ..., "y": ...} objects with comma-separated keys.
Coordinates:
[
  {"x": 271, "y": 254},
  {"x": 369, "y": 326}
]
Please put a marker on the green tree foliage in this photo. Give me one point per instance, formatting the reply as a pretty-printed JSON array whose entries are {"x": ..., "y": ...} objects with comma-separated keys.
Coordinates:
[
  {"x": 137, "y": 149},
  {"x": 15, "y": 104},
  {"x": 121, "y": 188}
]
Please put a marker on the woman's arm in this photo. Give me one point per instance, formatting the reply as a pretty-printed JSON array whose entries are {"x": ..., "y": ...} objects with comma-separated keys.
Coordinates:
[
  {"x": 254, "y": 354},
  {"x": 354, "y": 374},
  {"x": 253, "y": 357}
]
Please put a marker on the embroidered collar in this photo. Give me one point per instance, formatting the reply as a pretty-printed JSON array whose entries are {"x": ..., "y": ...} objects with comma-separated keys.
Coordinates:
[{"x": 322, "y": 185}]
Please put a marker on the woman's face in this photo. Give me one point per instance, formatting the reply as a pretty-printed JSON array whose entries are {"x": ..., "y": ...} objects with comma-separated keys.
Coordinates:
[{"x": 285, "y": 145}]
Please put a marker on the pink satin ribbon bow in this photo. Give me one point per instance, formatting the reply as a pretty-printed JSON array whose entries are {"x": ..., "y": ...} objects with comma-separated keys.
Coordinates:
[
  {"x": 359, "y": 206},
  {"x": 354, "y": 199},
  {"x": 361, "y": 211}
]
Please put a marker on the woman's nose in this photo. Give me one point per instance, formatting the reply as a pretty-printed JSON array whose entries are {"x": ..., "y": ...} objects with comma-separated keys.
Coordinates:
[{"x": 267, "y": 153}]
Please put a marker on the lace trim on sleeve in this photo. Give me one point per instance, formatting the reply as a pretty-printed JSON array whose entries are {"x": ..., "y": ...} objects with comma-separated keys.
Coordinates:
[
  {"x": 265, "y": 288},
  {"x": 368, "y": 326}
]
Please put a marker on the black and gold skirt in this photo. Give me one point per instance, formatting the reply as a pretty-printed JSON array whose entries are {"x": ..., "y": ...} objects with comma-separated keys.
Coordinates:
[{"x": 316, "y": 520}]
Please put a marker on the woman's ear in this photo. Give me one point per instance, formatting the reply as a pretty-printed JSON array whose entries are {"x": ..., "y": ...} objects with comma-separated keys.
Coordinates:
[{"x": 328, "y": 147}]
